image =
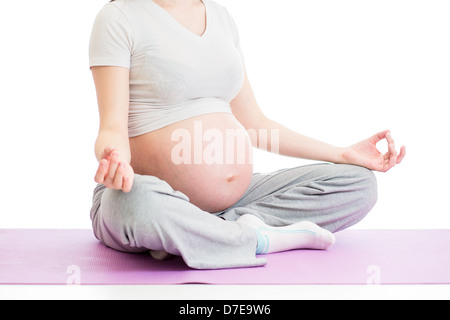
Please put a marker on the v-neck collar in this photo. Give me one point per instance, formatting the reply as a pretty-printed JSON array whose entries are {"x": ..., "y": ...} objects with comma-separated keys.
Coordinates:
[{"x": 175, "y": 21}]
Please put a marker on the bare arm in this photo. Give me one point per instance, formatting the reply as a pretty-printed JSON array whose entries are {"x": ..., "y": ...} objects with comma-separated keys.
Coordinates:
[
  {"x": 112, "y": 147},
  {"x": 293, "y": 144}
]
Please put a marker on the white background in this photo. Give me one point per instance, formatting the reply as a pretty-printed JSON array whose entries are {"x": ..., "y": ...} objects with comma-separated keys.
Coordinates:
[{"x": 338, "y": 71}]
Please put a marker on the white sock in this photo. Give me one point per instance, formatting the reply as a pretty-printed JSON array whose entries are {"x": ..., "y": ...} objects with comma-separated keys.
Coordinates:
[{"x": 301, "y": 235}]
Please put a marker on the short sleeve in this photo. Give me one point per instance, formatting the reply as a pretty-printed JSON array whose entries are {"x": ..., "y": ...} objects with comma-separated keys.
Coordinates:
[
  {"x": 111, "y": 39},
  {"x": 235, "y": 31}
]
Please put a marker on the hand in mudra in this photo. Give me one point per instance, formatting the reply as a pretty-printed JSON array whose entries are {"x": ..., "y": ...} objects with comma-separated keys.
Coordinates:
[
  {"x": 366, "y": 154},
  {"x": 113, "y": 173}
]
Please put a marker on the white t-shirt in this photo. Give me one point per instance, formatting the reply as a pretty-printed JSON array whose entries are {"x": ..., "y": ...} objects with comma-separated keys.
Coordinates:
[{"x": 175, "y": 74}]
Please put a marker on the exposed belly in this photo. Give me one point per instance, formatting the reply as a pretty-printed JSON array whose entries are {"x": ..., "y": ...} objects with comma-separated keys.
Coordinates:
[{"x": 208, "y": 158}]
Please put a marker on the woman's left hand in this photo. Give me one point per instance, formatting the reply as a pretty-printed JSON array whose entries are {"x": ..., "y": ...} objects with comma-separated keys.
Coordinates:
[{"x": 366, "y": 154}]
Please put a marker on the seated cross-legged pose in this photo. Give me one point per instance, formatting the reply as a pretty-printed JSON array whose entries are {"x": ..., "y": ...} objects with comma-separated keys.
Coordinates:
[{"x": 178, "y": 119}]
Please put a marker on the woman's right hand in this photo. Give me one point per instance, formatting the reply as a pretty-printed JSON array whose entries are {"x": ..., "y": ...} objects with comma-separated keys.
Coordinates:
[{"x": 113, "y": 173}]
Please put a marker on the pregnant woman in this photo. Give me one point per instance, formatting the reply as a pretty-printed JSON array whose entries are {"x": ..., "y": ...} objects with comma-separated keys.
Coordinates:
[{"x": 178, "y": 119}]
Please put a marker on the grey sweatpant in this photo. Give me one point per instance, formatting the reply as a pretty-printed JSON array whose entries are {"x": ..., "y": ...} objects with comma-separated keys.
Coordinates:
[{"x": 155, "y": 217}]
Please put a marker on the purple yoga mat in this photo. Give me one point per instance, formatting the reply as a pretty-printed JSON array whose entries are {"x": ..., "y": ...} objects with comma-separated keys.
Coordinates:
[{"x": 358, "y": 257}]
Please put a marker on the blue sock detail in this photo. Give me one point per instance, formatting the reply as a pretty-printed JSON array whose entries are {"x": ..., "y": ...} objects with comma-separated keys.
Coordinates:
[{"x": 263, "y": 243}]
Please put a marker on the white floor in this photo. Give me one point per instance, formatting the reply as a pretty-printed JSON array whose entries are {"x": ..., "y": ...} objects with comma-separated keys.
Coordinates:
[{"x": 214, "y": 292}]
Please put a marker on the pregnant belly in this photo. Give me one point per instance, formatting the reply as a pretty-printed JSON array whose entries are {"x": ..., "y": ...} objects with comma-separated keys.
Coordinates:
[{"x": 208, "y": 158}]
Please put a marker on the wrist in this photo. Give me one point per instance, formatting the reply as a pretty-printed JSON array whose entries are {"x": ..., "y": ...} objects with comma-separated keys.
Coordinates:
[{"x": 338, "y": 156}]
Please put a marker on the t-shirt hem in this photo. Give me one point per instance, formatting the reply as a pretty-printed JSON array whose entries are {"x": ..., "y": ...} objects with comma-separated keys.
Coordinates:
[{"x": 113, "y": 62}]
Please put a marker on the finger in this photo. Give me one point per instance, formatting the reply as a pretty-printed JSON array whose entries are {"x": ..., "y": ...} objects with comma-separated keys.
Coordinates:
[
  {"x": 387, "y": 165},
  {"x": 391, "y": 163},
  {"x": 118, "y": 178},
  {"x": 391, "y": 160},
  {"x": 401, "y": 155},
  {"x": 391, "y": 144},
  {"x": 107, "y": 153},
  {"x": 391, "y": 150},
  {"x": 388, "y": 161},
  {"x": 379, "y": 136},
  {"x": 101, "y": 171},
  {"x": 113, "y": 163},
  {"x": 127, "y": 183}
]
